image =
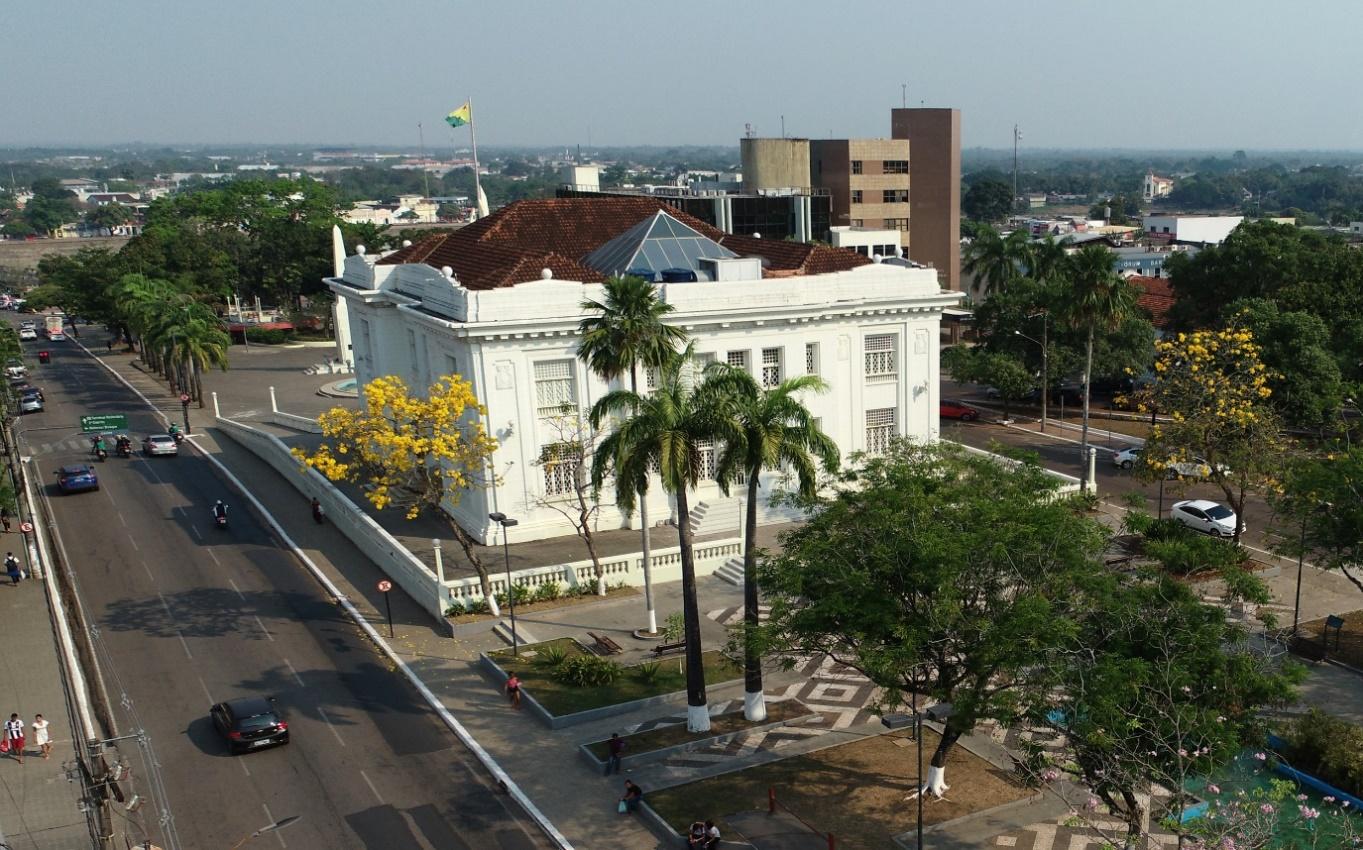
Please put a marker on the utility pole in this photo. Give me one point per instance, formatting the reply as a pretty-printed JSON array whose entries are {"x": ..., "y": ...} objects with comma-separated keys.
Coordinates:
[
  {"x": 1017, "y": 134},
  {"x": 425, "y": 175},
  {"x": 904, "y": 95}
]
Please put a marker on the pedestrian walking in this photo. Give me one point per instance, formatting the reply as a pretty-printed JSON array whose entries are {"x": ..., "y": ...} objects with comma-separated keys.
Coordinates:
[
  {"x": 41, "y": 736},
  {"x": 14, "y": 737},
  {"x": 630, "y": 801},
  {"x": 109, "y": 344},
  {"x": 4, "y": 517},
  {"x": 12, "y": 568},
  {"x": 317, "y": 512},
  {"x": 615, "y": 748},
  {"x": 513, "y": 690}
]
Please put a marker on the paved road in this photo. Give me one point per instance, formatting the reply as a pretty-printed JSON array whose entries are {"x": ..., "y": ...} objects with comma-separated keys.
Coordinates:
[
  {"x": 190, "y": 614},
  {"x": 1059, "y": 450}
]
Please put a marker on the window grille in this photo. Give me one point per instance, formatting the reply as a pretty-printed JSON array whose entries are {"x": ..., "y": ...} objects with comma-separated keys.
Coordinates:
[
  {"x": 554, "y": 387},
  {"x": 882, "y": 356},
  {"x": 560, "y": 463},
  {"x": 771, "y": 367},
  {"x": 880, "y": 429},
  {"x": 706, "y": 461},
  {"x": 737, "y": 359},
  {"x": 811, "y": 358}
]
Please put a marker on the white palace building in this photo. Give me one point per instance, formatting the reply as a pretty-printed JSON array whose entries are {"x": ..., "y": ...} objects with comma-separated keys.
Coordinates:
[{"x": 499, "y": 301}]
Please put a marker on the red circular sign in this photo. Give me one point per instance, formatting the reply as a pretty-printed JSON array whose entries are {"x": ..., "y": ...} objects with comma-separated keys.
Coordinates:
[
  {"x": 26, "y": 527},
  {"x": 184, "y": 398},
  {"x": 385, "y": 585}
]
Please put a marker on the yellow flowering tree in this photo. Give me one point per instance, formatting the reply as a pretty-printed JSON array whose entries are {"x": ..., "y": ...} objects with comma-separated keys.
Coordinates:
[
  {"x": 1213, "y": 386},
  {"x": 406, "y": 450}
]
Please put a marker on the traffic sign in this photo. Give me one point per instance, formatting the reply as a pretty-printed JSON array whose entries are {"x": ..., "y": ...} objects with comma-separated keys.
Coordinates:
[
  {"x": 385, "y": 585},
  {"x": 104, "y": 422},
  {"x": 184, "y": 398},
  {"x": 26, "y": 527}
]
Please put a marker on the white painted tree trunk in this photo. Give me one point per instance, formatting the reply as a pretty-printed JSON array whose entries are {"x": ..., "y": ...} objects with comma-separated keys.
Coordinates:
[
  {"x": 492, "y": 606},
  {"x": 652, "y": 621},
  {"x": 601, "y": 585},
  {"x": 754, "y": 707},
  {"x": 697, "y": 718},
  {"x": 936, "y": 784}
]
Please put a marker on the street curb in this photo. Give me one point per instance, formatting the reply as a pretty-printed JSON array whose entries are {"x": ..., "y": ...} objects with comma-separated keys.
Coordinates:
[
  {"x": 650, "y": 756},
  {"x": 501, "y": 776}
]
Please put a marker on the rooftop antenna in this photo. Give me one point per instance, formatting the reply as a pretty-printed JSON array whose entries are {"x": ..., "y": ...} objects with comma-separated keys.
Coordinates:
[
  {"x": 749, "y": 132},
  {"x": 1017, "y": 134},
  {"x": 783, "y": 126},
  {"x": 425, "y": 176},
  {"x": 904, "y": 95}
]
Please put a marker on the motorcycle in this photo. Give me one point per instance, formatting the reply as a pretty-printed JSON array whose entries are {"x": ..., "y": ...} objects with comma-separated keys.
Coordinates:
[
  {"x": 220, "y": 518},
  {"x": 177, "y": 434},
  {"x": 124, "y": 447}
]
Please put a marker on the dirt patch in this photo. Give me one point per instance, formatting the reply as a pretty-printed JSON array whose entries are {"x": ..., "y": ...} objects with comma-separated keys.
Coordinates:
[
  {"x": 720, "y": 724},
  {"x": 856, "y": 791},
  {"x": 1350, "y": 637}
]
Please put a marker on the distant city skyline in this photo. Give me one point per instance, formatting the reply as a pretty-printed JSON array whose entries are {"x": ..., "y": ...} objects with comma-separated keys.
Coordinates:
[{"x": 1211, "y": 75}]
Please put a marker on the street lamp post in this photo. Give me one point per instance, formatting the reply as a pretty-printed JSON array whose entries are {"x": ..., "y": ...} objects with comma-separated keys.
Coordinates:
[
  {"x": 1301, "y": 556},
  {"x": 1045, "y": 367},
  {"x": 507, "y": 522}
]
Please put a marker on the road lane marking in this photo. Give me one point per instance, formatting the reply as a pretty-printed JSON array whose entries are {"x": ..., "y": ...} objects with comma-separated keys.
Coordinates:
[
  {"x": 370, "y": 783},
  {"x": 149, "y": 573},
  {"x": 297, "y": 678},
  {"x": 234, "y": 587},
  {"x": 133, "y": 541},
  {"x": 194, "y": 528},
  {"x": 261, "y": 623},
  {"x": 214, "y": 556},
  {"x": 337, "y": 734},
  {"x": 211, "y": 701},
  {"x": 122, "y": 520},
  {"x": 269, "y": 817},
  {"x": 184, "y": 644}
]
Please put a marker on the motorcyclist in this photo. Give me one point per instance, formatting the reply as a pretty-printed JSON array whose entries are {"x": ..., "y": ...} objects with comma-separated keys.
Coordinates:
[
  {"x": 99, "y": 449},
  {"x": 124, "y": 445},
  {"x": 219, "y": 510}
]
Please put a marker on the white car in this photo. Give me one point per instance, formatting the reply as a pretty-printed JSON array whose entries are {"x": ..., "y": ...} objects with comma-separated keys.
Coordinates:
[
  {"x": 1206, "y": 516},
  {"x": 1126, "y": 458},
  {"x": 28, "y": 333},
  {"x": 160, "y": 444}
]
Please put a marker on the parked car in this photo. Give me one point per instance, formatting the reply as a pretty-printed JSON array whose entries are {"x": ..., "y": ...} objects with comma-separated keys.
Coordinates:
[
  {"x": 1206, "y": 516},
  {"x": 28, "y": 324},
  {"x": 950, "y": 409},
  {"x": 15, "y": 370},
  {"x": 249, "y": 723},
  {"x": 77, "y": 478},
  {"x": 1127, "y": 458},
  {"x": 1195, "y": 468},
  {"x": 159, "y": 444},
  {"x": 27, "y": 333},
  {"x": 31, "y": 400}
]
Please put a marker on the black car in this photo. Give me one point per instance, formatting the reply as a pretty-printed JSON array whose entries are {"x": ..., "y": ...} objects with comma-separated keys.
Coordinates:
[{"x": 250, "y": 723}]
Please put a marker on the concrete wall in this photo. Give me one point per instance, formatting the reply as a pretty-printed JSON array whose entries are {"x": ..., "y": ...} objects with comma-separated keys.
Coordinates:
[
  {"x": 775, "y": 164},
  {"x": 935, "y": 202},
  {"x": 23, "y": 254},
  {"x": 1203, "y": 229}
]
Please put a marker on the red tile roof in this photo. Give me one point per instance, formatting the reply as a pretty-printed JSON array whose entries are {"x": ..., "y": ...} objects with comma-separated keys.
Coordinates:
[
  {"x": 513, "y": 244},
  {"x": 1155, "y": 296}
]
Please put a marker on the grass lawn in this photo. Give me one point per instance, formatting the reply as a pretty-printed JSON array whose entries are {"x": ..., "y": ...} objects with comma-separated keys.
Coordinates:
[
  {"x": 560, "y": 699},
  {"x": 1350, "y": 649},
  {"x": 720, "y": 724},
  {"x": 856, "y": 791}
]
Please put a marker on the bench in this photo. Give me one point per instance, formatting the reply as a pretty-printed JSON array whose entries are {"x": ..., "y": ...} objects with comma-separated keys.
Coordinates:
[
  {"x": 668, "y": 648},
  {"x": 604, "y": 645}
]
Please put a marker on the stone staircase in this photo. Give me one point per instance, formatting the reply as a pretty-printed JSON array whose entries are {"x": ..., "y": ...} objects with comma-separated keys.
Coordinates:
[
  {"x": 332, "y": 366},
  {"x": 725, "y": 516},
  {"x": 731, "y": 571}
]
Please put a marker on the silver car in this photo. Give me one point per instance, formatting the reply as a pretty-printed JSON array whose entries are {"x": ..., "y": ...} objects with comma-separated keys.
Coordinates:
[
  {"x": 159, "y": 444},
  {"x": 31, "y": 402}
]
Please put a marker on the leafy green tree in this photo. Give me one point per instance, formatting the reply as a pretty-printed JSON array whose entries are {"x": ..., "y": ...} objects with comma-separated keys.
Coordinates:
[
  {"x": 46, "y": 214},
  {"x": 1004, "y": 372},
  {"x": 664, "y": 431},
  {"x": 1321, "y": 499},
  {"x": 621, "y": 333},
  {"x": 1123, "y": 208},
  {"x": 1155, "y": 687},
  {"x": 1099, "y": 298},
  {"x": 771, "y": 429},
  {"x": 995, "y": 260},
  {"x": 1303, "y": 374},
  {"x": 109, "y": 216},
  {"x": 988, "y": 201},
  {"x": 85, "y": 280},
  {"x": 939, "y": 573}
]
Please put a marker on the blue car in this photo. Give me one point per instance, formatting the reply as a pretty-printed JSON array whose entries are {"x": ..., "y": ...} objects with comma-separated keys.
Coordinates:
[{"x": 75, "y": 479}]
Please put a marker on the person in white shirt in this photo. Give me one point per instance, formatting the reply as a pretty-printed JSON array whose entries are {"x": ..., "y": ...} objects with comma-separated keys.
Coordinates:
[
  {"x": 41, "y": 736},
  {"x": 14, "y": 734}
]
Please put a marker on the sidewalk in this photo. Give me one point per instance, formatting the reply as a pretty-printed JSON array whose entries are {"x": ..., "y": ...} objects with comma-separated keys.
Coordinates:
[{"x": 39, "y": 808}]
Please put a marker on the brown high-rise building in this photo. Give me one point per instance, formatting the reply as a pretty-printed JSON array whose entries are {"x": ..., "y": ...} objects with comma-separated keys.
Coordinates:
[
  {"x": 935, "y": 203},
  {"x": 867, "y": 179}
]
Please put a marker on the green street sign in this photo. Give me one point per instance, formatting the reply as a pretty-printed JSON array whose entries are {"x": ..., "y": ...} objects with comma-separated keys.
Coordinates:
[{"x": 104, "y": 422}]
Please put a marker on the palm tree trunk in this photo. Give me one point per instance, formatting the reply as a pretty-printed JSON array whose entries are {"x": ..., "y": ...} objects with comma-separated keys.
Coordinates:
[
  {"x": 754, "y": 707},
  {"x": 198, "y": 385},
  {"x": 1084, "y": 481},
  {"x": 697, "y": 712},
  {"x": 643, "y": 520}
]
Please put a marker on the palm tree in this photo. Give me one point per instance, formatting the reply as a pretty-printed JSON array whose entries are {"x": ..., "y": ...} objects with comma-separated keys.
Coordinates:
[
  {"x": 624, "y": 332},
  {"x": 663, "y": 433},
  {"x": 1098, "y": 297},
  {"x": 772, "y": 430},
  {"x": 994, "y": 260}
]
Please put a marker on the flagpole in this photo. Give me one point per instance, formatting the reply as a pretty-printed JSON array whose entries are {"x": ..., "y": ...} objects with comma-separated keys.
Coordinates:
[
  {"x": 425, "y": 179},
  {"x": 477, "y": 185}
]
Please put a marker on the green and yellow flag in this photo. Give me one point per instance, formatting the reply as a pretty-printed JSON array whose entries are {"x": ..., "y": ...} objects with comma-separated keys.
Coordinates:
[{"x": 460, "y": 116}]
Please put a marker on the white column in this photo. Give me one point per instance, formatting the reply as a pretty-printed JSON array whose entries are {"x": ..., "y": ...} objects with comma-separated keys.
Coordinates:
[
  {"x": 274, "y": 404},
  {"x": 217, "y": 411},
  {"x": 1092, "y": 463}
]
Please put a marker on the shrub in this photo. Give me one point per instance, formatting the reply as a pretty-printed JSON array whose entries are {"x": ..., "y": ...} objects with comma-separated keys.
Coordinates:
[
  {"x": 1084, "y": 502},
  {"x": 548, "y": 591},
  {"x": 521, "y": 593},
  {"x": 551, "y": 657},
  {"x": 1327, "y": 747},
  {"x": 1190, "y": 552},
  {"x": 647, "y": 672},
  {"x": 587, "y": 671},
  {"x": 1165, "y": 528},
  {"x": 1137, "y": 522},
  {"x": 465, "y": 607},
  {"x": 267, "y": 336},
  {"x": 674, "y": 627}
]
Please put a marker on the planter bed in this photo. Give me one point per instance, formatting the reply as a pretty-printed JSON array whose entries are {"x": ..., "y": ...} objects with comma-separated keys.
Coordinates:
[
  {"x": 560, "y": 705},
  {"x": 663, "y": 741},
  {"x": 564, "y": 601}
]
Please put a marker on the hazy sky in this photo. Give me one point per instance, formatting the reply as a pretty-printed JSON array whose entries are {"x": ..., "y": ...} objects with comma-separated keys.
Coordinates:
[{"x": 1154, "y": 74}]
